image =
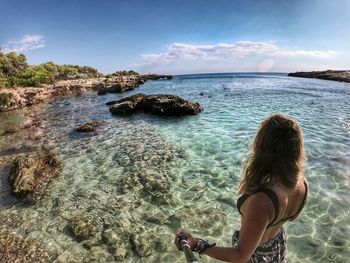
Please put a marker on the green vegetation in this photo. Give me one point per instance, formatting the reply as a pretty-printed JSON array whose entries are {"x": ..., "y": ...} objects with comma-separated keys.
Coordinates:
[
  {"x": 127, "y": 72},
  {"x": 122, "y": 73},
  {"x": 15, "y": 71}
]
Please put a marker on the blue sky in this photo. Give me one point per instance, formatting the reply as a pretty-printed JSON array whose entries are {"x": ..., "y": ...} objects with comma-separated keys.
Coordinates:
[{"x": 180, "y": 36}]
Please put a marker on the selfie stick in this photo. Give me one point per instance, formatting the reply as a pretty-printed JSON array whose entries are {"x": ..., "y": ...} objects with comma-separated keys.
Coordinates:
[{"x": 187, "y": 250}]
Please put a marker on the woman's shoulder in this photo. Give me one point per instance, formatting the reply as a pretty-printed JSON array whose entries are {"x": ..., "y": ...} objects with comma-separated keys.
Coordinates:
[{"x": 259, "y": 201}]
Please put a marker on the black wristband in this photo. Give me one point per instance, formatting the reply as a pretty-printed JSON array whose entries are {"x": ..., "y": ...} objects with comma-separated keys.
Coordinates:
[{"x": 202, "y": 246}]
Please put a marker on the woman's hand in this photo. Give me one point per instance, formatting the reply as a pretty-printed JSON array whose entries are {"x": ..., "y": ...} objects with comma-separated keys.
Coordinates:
[{"x": 192, "y": 241}]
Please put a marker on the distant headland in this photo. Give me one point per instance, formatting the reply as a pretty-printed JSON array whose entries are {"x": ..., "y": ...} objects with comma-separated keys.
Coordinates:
[{"x": 338, "y": 75}]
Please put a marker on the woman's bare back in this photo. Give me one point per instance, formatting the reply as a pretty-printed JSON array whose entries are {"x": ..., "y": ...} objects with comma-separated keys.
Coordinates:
[{"x": 290, "y": 205}]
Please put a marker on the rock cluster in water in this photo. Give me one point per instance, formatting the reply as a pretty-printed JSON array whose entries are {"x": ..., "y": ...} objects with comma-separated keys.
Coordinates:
[
  {"x": 338, "y": 75},
  {"x": 103, "y": 216},
  {"x": 159, "y": 104},
  {"x": 79, "y": 224},
  {"x": 118, "y": 231},
  {"x": 31, "y": 173}
]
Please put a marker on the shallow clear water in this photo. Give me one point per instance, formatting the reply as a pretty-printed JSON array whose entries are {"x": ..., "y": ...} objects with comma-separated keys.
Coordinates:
[{"x": 139, "y": 179}]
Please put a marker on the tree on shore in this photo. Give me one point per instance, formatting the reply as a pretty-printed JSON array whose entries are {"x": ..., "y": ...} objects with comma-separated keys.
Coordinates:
[{"x": 15, "y": 71}]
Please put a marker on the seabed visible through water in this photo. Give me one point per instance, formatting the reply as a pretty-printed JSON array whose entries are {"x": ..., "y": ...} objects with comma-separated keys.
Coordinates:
[{"x": 126, "y": 189}]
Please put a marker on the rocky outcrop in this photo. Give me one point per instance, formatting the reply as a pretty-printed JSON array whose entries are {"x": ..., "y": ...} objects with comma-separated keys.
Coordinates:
[
  {"x": 125, "y": 83},
  {"x": 158, "y": 104},
  {"x": 5, "y": 98},
  {"x": 338, "y": 75},
  {"x": 20, "y": 97},
  {"x": 127, "y": 105},
  {"x": 115, "y": 87},
  {"x": 31, "y": 173},
  {"x": 15, "y": 98}
]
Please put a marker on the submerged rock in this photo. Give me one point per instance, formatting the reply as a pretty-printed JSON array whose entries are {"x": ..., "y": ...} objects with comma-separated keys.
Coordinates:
[
  {"x": 98, "y": 254},
  {"x": 23, "y": 174},
  {"x": 81, "y": 227},
  {"x": 154, "y": 184},
  {"x": 140, "y": 245},
  {"x": 31, "y": 173},
  {"x": 208, "y": 219},
  {"x": 159, "y": 104},
  {"x": 120, "y": 253},
  {"x": 14, "y": 248},
  {"x": 110, "y": 237},
  {"x": 90, "y": 126},
  {"x": 145, "y": 242}
]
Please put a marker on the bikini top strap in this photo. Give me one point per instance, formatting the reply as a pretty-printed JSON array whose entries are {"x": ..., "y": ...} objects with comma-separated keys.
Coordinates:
[
  {"x": 271, "y": 195},
  {"x": 300, "y": 208},
  {"x": 274, "y": 199}
]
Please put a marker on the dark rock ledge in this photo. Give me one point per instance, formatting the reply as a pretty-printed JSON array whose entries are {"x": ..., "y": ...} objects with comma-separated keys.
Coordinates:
[
  {"x": 338, "y": 75},
  {"x": 158, "y": 104}
]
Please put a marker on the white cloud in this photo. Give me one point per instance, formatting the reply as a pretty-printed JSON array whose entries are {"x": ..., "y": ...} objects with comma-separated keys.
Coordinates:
[
  {"x": 305, "y": 53},
  {"x": 28, "y": 42},
  {"x": 239, "y": 49}
]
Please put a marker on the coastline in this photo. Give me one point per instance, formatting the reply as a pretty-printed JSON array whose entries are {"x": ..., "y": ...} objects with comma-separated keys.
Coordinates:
[
  {"x": 18, "y": 97},
  {"x": 337, "y": 75}
]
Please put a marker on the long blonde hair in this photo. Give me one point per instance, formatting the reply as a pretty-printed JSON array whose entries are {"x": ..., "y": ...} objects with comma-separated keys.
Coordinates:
[{"x": 277, "y": 152}]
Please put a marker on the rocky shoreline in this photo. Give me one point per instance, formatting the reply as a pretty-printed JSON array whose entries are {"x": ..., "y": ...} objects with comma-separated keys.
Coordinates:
[
  {"x": 32, "y": 162},
  {"x": 337, "y": 75},
  {"x": 18, "y": 97},
  {"x": 35, "y": 163}
]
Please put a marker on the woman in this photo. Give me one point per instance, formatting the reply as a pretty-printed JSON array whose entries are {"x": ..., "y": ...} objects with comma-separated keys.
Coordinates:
[{"x": 272, "y": 192}]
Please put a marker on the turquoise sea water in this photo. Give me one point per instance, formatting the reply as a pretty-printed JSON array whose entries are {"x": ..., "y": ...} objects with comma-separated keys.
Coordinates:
[{"x": 139, "y": 179}]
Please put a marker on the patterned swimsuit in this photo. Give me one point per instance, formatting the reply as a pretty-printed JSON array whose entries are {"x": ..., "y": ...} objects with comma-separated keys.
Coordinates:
[{"x": 274, "y": 250}]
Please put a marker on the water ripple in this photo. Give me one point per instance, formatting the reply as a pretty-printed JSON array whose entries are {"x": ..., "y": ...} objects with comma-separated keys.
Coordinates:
[{"x": 127, "y": 188}]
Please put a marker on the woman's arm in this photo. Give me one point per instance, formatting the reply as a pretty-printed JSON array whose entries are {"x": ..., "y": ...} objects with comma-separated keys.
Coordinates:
[{"x": 257, "y": 212}]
